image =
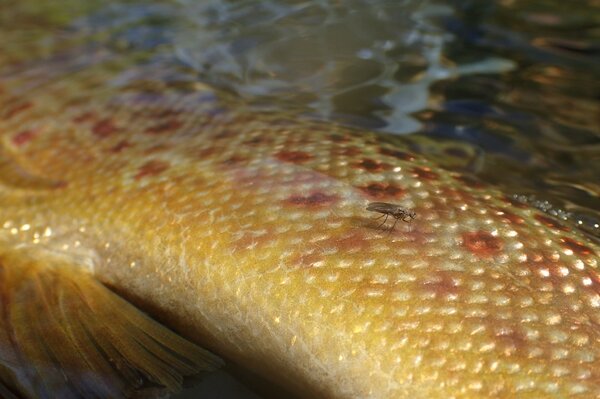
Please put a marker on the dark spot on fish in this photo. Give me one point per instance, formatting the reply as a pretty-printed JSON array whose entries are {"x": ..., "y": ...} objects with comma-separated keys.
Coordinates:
[
  {"x": 165, "y": 127},
  {"x": 104, "y": 128},
  {"x": 425, "y": 173},
  {"x": 293, "y": 156},
  {"x": 226, "y": 134},
  {"x": 165, "y": 113},
  {"x": 372, "y": 165},
  {"x": 85, "y": 117},
  {"x": 549, "y": 222},
  {"x": 120, "y": 146},
  {"x": 17, "y": 109},
  {"x": 456, "y": 152},
  {"x": 482, "y": 243},
  {"x": 338, "y": 138},
  {"x": 470, "y": 181},
  {"x": 577, "y": 247},
  {"x": 234, "y": 160},
  {"x": 256, "y": 141},
  {"x": 152, "y": 168},
  {"x": 24, "y": 137},
  {"x": 313, "y": 200},
  {"x": 405, "y": 156},
  {"x": 383, "y": 190}
]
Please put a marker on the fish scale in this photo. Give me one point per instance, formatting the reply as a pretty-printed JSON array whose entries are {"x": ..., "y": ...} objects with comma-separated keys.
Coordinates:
[{"x": 247, "y": 232}]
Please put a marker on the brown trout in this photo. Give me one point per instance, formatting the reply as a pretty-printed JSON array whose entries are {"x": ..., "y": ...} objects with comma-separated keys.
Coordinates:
[{"x": 247, "y": 232}]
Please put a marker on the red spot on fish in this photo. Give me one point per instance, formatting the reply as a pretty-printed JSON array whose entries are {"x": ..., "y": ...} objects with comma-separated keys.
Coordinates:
[
  {"x": 166, "y": 127},
  {"x": 85, "y": 117},
  {"x": 425, "y": 173},
  {"x": 155, "y": 149},
  {"x": 24, "y": 137},
  {"x": 442, "y": 284},
  {"x": 450, "y": 193},
  {"x": 482, "y": 243},
  {"x": 17, "y": 109},
  {"x": 152, "y": 168},
  {"x": 510, "y": 217},
  {"x": 383, "y": 190},
  {"x": 293, "y": 156},
  {"x": 510, "y": 341},
  {"x": 470, "y": 181},
  {"x": 104, "y": 128},
  {"x": 549, "y": 222},
  {"x": 405, "y": 156},
  {"x": 312, "y": 200},
  {"x": 576, "y": 246},
  {"x": 353, "y": 243},
  {"x": 61, "y": 184},
  {"x": 306, "y": 260},
  {"x": 120, "y": 146},
  {"x": 372, "y": 165},
  {"x": 351, "y": 151}
]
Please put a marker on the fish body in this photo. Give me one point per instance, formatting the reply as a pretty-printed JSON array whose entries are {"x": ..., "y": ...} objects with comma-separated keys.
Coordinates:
[{"x": 247, "y": 232}]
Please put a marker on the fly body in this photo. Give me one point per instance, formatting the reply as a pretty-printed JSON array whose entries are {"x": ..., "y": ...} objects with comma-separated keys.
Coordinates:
[{"x": 397, "y": 212}]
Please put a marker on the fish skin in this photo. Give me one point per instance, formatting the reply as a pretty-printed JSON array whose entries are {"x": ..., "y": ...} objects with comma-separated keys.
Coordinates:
[{"x": 247, "y": 231}]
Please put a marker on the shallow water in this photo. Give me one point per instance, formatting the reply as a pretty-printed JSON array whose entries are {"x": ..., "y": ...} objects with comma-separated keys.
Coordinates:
[
  {"x": 516, "y": 83},
  {"x": 509, "y": 90}
]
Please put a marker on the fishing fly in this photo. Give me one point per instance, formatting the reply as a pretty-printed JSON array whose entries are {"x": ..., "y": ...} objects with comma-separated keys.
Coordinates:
[{"x": 395, "y": 211}]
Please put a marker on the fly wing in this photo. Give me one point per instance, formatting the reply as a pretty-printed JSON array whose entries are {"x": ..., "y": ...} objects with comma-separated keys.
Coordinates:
[{"x": 381, "y": 207}]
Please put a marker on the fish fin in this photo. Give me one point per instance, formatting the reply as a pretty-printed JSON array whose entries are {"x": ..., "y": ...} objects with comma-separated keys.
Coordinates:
[{"x": 64, "y": 334}]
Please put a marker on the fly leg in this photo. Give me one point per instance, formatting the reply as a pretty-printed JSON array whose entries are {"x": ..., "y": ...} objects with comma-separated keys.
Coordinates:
[
  {"x": 384, "y": 220},
  {"x": 394, "y": 225}
]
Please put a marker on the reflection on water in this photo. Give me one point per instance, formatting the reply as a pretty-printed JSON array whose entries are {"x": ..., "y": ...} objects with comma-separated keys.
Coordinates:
[{"x": 516, "y": 83}]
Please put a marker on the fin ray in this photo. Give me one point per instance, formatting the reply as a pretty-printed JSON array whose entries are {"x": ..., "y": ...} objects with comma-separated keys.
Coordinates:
[{"x": 64, "y": 334}]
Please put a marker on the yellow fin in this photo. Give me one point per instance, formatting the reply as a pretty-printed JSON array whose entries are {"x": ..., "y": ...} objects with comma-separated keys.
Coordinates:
[{"x": 64, "y": 334}]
